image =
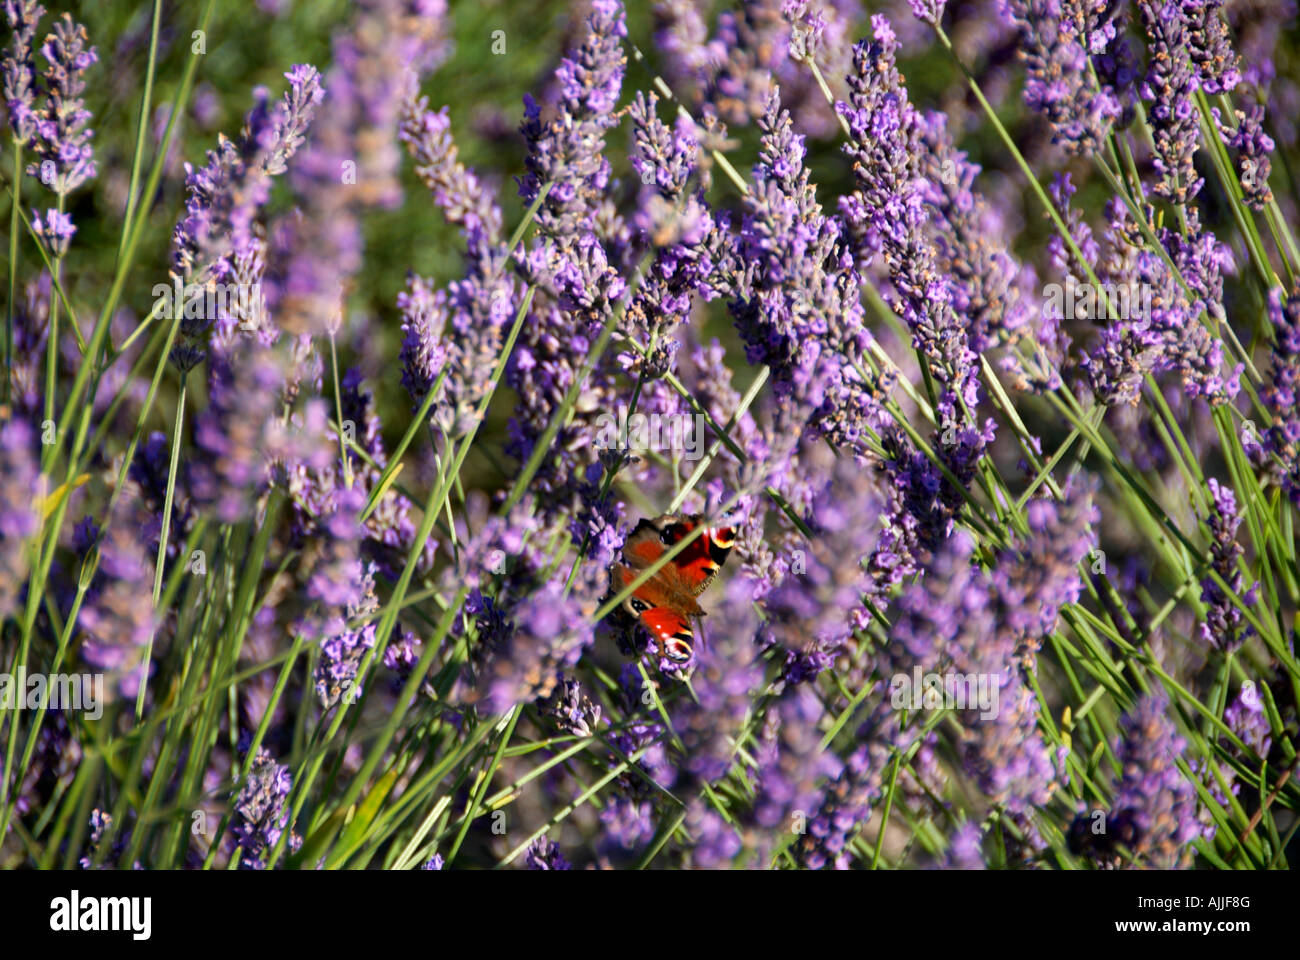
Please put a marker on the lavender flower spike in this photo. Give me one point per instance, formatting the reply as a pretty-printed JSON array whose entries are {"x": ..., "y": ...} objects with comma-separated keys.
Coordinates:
[
  {"x": 19, "y": 519},
  {"x": 261, "y": 811},
  {"x": 64, "y": 157},
  {"x": 1059, "y": 84},
  {"x": 55, "y": 230},
  {"x": 1169, "y": 87},
  {"x": 1254, "y": 148},
  {"x": 351, "y": 160},
  {"x": 567, "y": 151},
  {"x": 464, "y": 326},
  {"x": 1217, "y": 65},
  {"x": 1278, "y": 450},
  {"x": 19, "y": 67},
  {"x": 118, "y": 616},
  {"x": 544, "y": 854},
  {"x": 1223, "y": 627},
  {"x": 1154, "y": 813},
  {"x": 224, "y": 196},
  {"x": 928, "y": 11}
]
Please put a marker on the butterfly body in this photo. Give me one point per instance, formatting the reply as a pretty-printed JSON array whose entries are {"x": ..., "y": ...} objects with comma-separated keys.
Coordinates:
[{"x": 665, "y": 603}]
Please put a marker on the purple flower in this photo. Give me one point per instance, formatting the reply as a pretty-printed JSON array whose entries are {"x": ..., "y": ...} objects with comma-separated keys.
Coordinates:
[
  {"x": 1106, "y": 25},
  {"x": 791, "y": 762},
  {"x": 1279, "y": 448},
  {"x": 350, "y": 162},
  {"x": 756, "y": 48},
  {"x": 1003, "y": 749},
  {"x": 796, "y": 302},
  {"x": 1040, "y": 574},
  {"x": 1168, "y": 89},
  {"x": 1196, "y": 353},
  {"x": 681, "y": 35},
  {"x": 988, "y": 286},
  {"x": 19, "y": 67},
  {"x": 338, "y": 579},
  {"x": 465, "y": 326},
  {"x": 1253, "y": 147},
  {"x": 401, "y": 655},
  {"x": 1223, "y": 626},
  {"x": 218, "y": 245},
  {"x": 319, "y": 484},
  {"x": 845, "y": 806},
  {"x": 627, "y": 825},
  {"x": 726, "y": 677},
  {"x": 928, "y": 11},
  {"x": 31, "y": 331},
  {"x": 1152, "y": 324},
  {"x": 575, "y": 265},
  {"x": 224, "y": 196},
  {"x": 1029, "y": 583},
  {"x": 816, "y": 602},
  {"x": 572, "y": 711},
  {"x": 630, "y": 822},
  {"x": 689, "y": 241},
  {"x": 1049, "y": 342},
  {"x": 20, "y": 495},
  {"x": 888, "y": 202},
  {"x": 261, "y": 811},
  {"x": 550, "y": 633},
  {"x": 1154, "y": 811},
  {"x": 101, "y": 824},
  {"x": 117, "y": 615},
  {"x": 1258, "y": 27},
  {"x": 714, "y": 841},
  {"x": 544, "y": 854},
  {"x": 1246, "y": 718},
  {"x": 55, "y": 230},
  {"x": 261, "y": 644},
  {"x": 241, "y": 433},
  {"x": 1059, "y": 84},
  {"x": 946, "y": 613},
  {"x": 567, "y": 151},
  {"x": 582, "y": 287},
  {"x": 888, "y": 209},
  {"x": 64, "y": 159},
  {"x": 433, "y": 863},
  {"x": 965, "y": 849},
  {"x": 497, "y": 550},
  {"x": 962, "y": 622},
  {"x": 1217, "y": 66},
  {"x": 664, "y": 157},
  {"x": 457, "y": 191},
  {"x": 424, "y": 353},
  {"x": 342, "y": 645}
]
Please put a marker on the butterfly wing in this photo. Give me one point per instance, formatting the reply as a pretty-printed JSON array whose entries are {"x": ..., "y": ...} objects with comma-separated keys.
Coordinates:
[
  {"x": 698, "y": 564},
  {"x": 664, "y": 614},
  {"x": 643, "y": 546},
  {"x": 671, "y": 631},
  {"x": 665, "y": 603}
]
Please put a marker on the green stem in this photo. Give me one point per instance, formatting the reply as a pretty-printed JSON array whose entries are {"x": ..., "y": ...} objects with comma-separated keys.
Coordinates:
[
  {"x": 161, "y": 563},
  {"x": 52, "y": 339},
  {"x": 16, "y": 205}
]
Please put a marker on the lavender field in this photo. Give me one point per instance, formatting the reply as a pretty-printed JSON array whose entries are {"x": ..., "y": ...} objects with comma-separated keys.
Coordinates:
[{"x": 784, "y": 434}]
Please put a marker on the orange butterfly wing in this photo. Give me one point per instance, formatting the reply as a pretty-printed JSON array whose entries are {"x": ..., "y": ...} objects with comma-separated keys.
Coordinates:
[
  {"x": 665, "y": 602},
  {"x": 671, "y": 631},
  {"x": 696, "y": 565},
  {"x": 704, "y": 556}
]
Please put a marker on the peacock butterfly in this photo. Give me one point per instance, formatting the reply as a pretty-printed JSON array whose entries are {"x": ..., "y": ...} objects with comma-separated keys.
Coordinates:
[{"x": 665, "y": 603}]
